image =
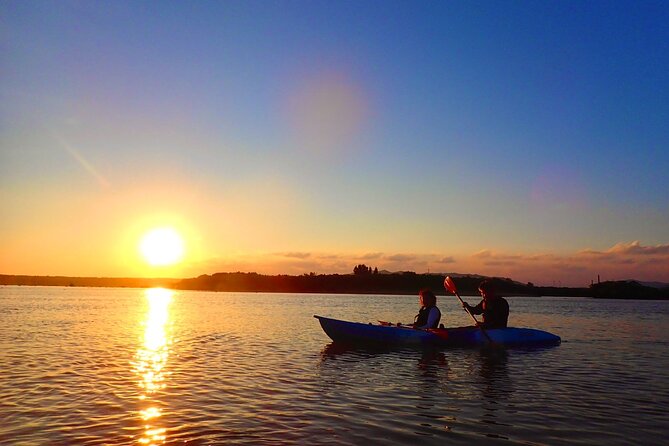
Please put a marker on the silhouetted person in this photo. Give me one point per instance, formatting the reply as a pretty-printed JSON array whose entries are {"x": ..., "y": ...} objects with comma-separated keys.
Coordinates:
[
  {"x": 429, "y": 315},
  {"x": 495, "y": 310}
]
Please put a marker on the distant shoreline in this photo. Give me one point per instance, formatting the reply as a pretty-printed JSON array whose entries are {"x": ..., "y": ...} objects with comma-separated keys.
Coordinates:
[
  {"x": 396, "y": 284},
  {"x": 94, "y": 282}
]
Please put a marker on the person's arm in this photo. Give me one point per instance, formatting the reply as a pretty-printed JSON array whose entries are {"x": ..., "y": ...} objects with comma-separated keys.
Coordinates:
[
  {"x": 433, "y": 317},
  {"x": 478, "y": 309}
]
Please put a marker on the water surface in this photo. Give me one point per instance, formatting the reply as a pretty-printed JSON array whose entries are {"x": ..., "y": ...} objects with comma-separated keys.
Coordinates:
[{"x": 132, "y": 366}]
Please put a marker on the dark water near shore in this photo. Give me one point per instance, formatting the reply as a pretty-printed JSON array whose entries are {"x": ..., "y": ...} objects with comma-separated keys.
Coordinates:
[{"x": 131, "y": 366}]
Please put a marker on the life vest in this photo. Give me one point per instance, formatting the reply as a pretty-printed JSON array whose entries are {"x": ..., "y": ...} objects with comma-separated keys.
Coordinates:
[
  {"x": 495, "y": 313},
  {"x": 423, "y": 315}
]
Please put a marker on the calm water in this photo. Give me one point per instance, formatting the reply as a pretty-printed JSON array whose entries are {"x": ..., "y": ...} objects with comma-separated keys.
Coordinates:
[{"x": 130, "y": 366}]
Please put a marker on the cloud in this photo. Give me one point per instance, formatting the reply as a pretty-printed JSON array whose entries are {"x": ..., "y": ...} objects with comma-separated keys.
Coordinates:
[
  {"x": 370, "y": 256},
  {"x": 636, "y": 248},
  {"x": 401, "y": 257},
  {"x": 633, "y": 249},
  {"x": 591, "y": 253},
  {"x": 295, "y": 255},
  {"x": 483, "y": 254},
  {"x": 625, "y": 260},
  {"x": 328, "y": 256},
  {"x": 495, "y": 257},
  {"x": 446, "y": 260},
  {"x": 500, "y": 262},
  {"x": 541, "y": 257}
]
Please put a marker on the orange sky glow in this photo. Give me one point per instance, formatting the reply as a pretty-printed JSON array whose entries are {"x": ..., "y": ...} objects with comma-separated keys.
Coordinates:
[{"x": 343, "y": 139}]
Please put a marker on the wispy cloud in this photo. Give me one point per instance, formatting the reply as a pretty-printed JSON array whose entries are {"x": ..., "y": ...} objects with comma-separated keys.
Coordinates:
[
  {"x": 633, "y": 249},
  {"x": 483, "y": 254},
  {"x": 295, "y": 255},
  {"x": 401, "y": 257},
  {"x": 501, "y": 262},
  {"x": 636, "y": 248},
  {"x": 328, "y": 256},
  {"x": 446, "y": 260},
  {"x": 624, "y": 260},
  {"x": 370, "y": 256}
]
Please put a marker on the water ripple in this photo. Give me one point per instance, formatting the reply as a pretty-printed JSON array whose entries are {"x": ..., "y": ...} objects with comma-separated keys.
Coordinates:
[{"x": 93, "y": 367}]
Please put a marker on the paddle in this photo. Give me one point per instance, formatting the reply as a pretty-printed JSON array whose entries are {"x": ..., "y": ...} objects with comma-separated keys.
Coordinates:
[
  {"x": 440, "y": 332},
  {"x": 450, "y": 286},
  {"x": 390, "y": 324}
]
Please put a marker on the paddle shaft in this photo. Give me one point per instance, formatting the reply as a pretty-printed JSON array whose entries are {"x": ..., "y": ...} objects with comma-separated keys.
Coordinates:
[
  {"x": 473, "y": 317},
  {"x": 390, "y": 324}
]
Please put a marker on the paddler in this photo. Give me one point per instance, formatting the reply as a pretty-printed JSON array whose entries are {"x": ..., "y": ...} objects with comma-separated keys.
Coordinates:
[
  {"x": 429, "y": 315},
  {"x": 495, "y": 309}
]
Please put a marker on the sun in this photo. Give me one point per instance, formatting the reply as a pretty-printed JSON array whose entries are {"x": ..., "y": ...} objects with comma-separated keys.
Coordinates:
[{"x": 162, "y": 247}]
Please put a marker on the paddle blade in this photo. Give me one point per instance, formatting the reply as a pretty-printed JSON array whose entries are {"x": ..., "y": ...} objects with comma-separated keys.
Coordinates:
[{"x": 450, "y": 285}]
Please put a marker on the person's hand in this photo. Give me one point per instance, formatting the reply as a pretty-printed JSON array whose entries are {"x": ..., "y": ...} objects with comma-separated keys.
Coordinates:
[{"x": 465, "y": 305}]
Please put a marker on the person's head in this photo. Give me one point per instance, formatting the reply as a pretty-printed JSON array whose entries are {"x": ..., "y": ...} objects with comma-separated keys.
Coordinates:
[
  {"x": 427, "y": 298},
  {"x": 487, "y": 290}
]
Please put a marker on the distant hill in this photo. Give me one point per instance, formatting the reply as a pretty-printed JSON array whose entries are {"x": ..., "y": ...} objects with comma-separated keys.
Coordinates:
[
  {"x": 658, "y": 285},
  {"x": 628, "y": 289}
]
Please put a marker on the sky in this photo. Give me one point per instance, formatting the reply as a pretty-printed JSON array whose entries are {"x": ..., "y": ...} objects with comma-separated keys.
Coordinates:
[{"x": 518, "y": 139}]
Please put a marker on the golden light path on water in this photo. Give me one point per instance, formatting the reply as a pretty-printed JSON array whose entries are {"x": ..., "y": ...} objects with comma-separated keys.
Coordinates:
[{"x": 151, "y": 361}]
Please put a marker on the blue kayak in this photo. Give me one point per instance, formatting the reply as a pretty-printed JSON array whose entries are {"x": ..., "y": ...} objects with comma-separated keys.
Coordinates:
[{"x": 356, "y": 333}]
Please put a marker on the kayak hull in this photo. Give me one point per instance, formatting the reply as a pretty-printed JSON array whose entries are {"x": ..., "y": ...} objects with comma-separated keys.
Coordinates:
[{"x": 356, "y": 333}]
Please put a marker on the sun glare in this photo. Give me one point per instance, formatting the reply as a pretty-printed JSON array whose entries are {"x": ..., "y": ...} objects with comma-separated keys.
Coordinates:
[{"x": 162, "y": 247}]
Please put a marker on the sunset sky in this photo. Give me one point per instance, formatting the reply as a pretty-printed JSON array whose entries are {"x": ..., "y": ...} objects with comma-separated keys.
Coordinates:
[{"x": 519, "y": 139}]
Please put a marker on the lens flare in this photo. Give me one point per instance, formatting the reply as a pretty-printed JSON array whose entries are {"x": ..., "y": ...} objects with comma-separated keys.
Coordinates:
[{"x": 327, "y": 113}]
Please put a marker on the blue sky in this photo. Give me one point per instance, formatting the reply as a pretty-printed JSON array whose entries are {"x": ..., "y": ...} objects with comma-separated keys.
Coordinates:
[{"x": 483, "y": 134}]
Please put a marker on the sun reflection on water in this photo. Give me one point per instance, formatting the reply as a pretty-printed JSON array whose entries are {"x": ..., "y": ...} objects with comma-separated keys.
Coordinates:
[{"x": 150, "y": 363}]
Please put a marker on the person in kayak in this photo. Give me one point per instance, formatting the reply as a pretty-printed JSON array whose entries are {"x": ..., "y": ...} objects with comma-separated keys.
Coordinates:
[
  {"x": 429, "y": 315},
  {"x": 495, "y": 309}
]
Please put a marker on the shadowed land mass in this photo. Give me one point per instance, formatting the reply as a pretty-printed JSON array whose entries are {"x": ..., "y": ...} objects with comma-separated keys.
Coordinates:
[{"x": 359, "y": 283}]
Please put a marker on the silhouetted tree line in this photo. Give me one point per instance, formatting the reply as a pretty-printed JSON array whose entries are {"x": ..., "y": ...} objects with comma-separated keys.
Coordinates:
[
  {"x": 364, "y": 269},
  {"x": 362, "y": 281}
]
